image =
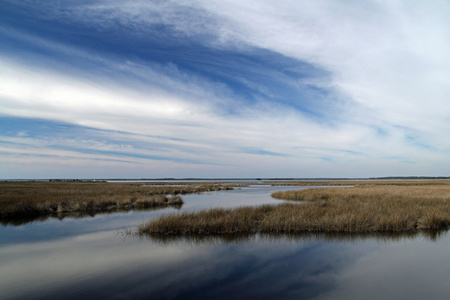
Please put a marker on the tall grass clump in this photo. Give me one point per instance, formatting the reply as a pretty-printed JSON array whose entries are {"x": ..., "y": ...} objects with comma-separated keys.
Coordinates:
[
  {"x": 362, "y": 209},
  {"x": 212, "y": 221}
]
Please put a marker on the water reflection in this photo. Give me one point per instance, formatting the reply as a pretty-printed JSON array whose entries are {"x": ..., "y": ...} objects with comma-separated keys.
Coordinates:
[
  {"x": 103, "y": 265},
  {"x": 22, "y": 220},
  {"x": 217, "y": 239}
]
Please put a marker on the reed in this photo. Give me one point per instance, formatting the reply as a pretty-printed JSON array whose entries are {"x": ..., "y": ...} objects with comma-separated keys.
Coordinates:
[
  {"x": 361, "y": 209},
  {"x": 363, "y": 182},
  {"x": 23, "y": 199}
]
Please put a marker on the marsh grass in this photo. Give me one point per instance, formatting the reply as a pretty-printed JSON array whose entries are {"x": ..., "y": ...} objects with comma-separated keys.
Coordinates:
[
  {"x": 361, "y": 209},
  {"x": 364, "y": 183},
  {"x": 22, "y": 200}
]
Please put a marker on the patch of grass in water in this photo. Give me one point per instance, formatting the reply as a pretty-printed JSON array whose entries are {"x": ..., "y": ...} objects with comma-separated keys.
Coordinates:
[{"x": 362, "y": 209}]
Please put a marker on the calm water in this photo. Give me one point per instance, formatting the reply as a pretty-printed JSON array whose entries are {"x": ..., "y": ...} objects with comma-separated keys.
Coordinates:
[{"x": 90, "y": 258}]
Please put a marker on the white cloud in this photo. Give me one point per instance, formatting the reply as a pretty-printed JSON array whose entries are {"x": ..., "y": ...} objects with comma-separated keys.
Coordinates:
[
  {"x": 387, "y": 59},
  {"x": 388, "y": 56}
]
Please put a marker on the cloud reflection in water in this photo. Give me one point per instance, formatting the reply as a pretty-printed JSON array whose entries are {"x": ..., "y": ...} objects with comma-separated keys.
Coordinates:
[{"x": 104, "y": 265}]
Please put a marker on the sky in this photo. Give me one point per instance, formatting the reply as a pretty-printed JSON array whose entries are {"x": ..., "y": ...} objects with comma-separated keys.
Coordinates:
[{"x": 224, "y": 89}]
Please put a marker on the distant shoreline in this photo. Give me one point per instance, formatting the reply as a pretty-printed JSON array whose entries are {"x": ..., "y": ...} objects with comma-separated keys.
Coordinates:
[{"x": 190, "y": 179}]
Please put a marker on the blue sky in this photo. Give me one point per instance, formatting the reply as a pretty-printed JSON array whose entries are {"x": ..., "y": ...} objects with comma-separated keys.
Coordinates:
[{"x": 134, "y": 89}]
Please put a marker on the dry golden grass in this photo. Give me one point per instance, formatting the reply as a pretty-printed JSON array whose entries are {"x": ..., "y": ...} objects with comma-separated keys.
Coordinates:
[
  {"x": 24, "y": 199},
  {"x": 363, "y": 182},
  {"x": 360, "y": 209},
  {"x": 374, "y": 207}
]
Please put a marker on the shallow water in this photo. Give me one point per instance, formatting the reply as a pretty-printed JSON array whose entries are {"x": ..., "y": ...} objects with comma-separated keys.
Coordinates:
[{"x": 92, "y": 258}]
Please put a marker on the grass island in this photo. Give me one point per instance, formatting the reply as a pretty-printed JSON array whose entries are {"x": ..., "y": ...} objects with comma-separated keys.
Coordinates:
[{"x": 367, "y": 206}]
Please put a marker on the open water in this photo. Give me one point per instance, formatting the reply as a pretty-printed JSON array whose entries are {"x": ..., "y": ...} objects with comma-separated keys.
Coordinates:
[{"x": 92, "y": 258}]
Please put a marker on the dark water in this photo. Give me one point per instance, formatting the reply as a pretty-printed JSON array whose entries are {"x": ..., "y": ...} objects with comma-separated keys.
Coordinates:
[{"x": 91, "y": 258}]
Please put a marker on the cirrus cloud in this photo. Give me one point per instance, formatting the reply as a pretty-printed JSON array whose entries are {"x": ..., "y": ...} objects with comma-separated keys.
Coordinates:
[{"x": 225, "y": 88}]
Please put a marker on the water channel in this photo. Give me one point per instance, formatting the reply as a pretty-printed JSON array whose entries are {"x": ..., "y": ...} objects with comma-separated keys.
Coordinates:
[{"x": 92, "y": 258}]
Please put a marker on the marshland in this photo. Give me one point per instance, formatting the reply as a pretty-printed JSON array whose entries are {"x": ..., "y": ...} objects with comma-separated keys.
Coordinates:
[
  {"x": 37, "y": 199},
  {"x": 368, "y": 207},
  {"x": 265, "y": 239}
]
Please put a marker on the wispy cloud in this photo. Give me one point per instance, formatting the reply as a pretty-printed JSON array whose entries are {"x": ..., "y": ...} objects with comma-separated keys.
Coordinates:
[{"x": 226, "y": 88}]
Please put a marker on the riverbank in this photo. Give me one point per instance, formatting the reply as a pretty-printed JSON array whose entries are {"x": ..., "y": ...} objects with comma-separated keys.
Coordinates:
[
  {"x": 368, "y": 207},
  {"x": 25, "y": 199}
]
